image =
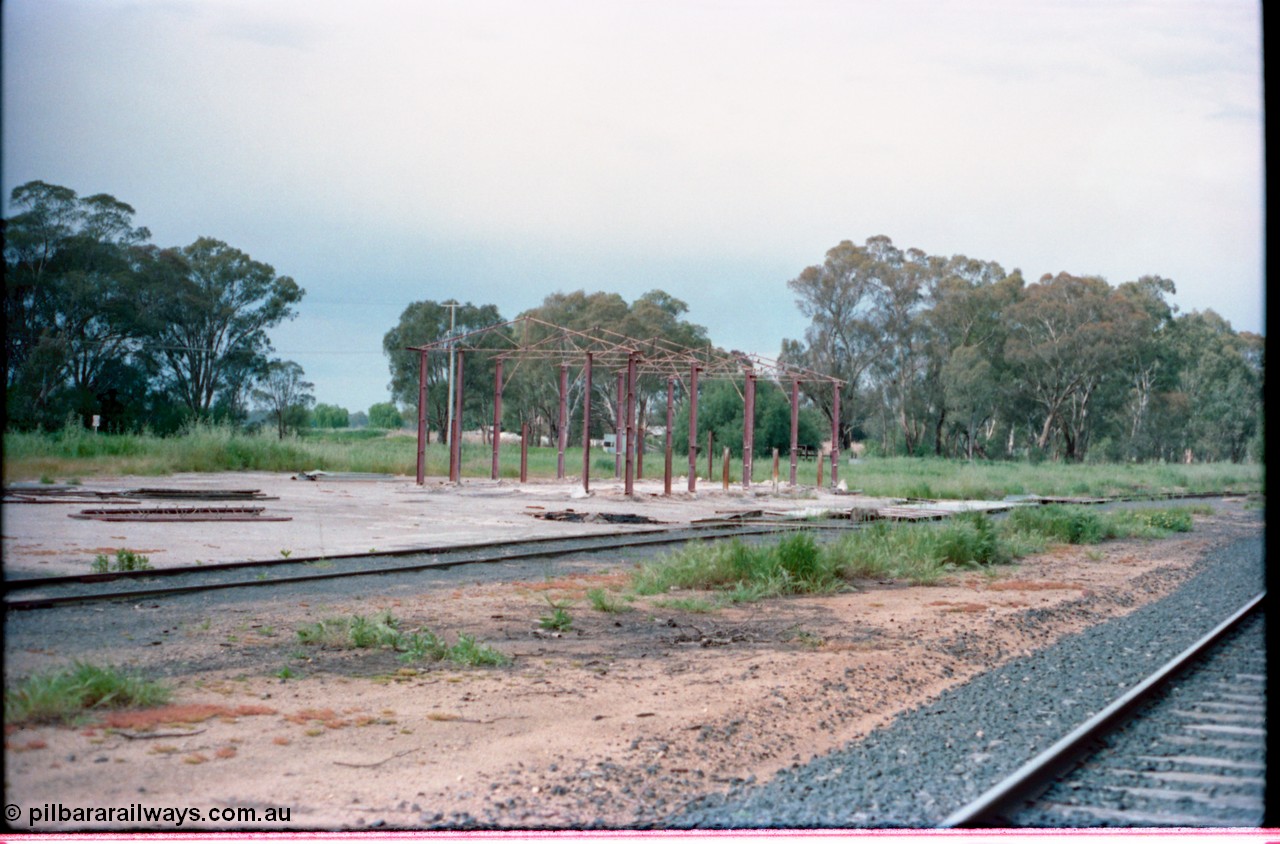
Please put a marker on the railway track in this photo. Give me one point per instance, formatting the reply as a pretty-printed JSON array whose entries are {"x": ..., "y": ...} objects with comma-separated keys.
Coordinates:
[
  {"x": 53, "y": 591},
  {"x": 1184, "y": 748},
  {"x": 46, "y": 592}
]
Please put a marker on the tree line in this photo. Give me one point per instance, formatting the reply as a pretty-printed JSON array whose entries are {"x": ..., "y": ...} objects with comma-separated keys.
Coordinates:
[
  {"x": 101, "y": 322},
  {"x": 950, "y": 356},
  {"x": 954, "y": 356}
]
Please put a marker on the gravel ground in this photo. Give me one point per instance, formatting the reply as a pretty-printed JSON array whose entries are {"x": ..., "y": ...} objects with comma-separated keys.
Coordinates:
[{"x": 932, "y": 760}]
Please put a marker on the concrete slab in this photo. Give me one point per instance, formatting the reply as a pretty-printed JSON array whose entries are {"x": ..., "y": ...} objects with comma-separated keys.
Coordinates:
[{"x": 352, "y": 516}]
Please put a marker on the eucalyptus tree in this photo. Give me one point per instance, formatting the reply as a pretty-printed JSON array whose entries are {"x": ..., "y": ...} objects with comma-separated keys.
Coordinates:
[
  {"x": 285, "y": 395},
  {"x": 1151, "y": 369},
  {"x": 966, "y": 297},
  {"x": 69, "y": 265},
  {"x": 430, "y": 321},
  {"x": 843, "y": 298},
  {"x": 901, "y": 320},
  {"x": 330, "y": 416},
  {"x": 1221, "y": 379},
  {"x": 970, "y": 392},
  {"x": 206, "y": 323},
  {"x": 535, "y": 388},
  {"x": 1069, "y": 340},
  {"x": 656, "y": 314},
  {"x": 721, "y": 413},
  {"x": 385, "y": 415}
]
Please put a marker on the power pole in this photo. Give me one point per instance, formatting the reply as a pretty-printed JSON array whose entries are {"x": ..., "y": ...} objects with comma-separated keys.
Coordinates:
[{"x": 452, "y": 305}]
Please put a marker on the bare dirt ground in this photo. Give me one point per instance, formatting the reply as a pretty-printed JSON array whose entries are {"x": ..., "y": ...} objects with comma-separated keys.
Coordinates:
[{"x": 618, "y": 721}]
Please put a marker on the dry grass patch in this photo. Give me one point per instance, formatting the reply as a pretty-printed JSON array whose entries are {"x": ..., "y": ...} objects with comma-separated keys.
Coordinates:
[
  {"x": 327, "y": 717},
  {"x": 145, "y": 720}
]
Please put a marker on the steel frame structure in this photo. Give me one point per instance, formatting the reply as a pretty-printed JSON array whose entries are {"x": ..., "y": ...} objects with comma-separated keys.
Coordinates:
[{"x": 532, "y": 339}]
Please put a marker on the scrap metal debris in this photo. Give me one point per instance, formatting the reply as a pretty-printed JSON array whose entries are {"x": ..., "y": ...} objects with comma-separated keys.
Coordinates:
[
  {"x": 180, "y": 514},
  {"x": 734, "y": 516},
  {"x": 317, "y": 475},
  {"x": 1066, "y": 499},
  {"x": 607, "y": 518},
  {"x": 55, "y": 494},
  {"x": 65, "y": 494},
  {"x": 201, "y": 494},
  {"x": 912, "y": 514}
]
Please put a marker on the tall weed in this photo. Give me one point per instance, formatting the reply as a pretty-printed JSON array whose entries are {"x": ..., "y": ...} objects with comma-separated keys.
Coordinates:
[{"x": 63, "y": 695}]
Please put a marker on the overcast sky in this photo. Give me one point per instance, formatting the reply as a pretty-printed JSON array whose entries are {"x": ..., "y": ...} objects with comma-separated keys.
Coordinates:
[{"x": 387, "y": 151}]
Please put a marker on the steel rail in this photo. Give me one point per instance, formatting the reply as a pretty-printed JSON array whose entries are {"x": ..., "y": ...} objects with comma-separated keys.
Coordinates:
[
  {"x": 104, "y": 577},
  {"x": 986, "y": 810},
  {"x": 22, "y": 583},
  {"x": 584, "y": 545}
]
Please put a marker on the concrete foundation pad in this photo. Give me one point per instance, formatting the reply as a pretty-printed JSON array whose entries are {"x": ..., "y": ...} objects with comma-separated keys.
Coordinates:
[{"x": 335, "y": 516}]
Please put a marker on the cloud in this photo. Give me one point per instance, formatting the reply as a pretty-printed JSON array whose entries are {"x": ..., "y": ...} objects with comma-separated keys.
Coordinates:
[{"x": 501, "y": 150}]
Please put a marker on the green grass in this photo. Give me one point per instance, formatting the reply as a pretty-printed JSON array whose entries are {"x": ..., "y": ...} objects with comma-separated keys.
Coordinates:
[
  {"x": 795, "y": 564},
  {"x": 126, "y": 560},
  {"x": 690, "y": 604},
  {"x": 602, "y": 601},
  {"x": 909, "y": 477},
  {"x": 558, "y": 619},
  {"x": 1083, "y": 526},
  {"x": 75, "y": 452},
  {"x": 914, "y": 553},
  {"x": 383, "y": 632},
  {"x": 65, "y": 695}
]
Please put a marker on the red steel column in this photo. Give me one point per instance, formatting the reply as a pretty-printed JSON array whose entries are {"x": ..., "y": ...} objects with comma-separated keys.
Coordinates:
[
  {"x": 666, "y": 472},
  {"x": 524, "y": 452},
  {"x": 693, "y": 428},
  {"x": 497, "y": 416},
  {"x": 455, "y": 445},
  {"x": 562, "y": 438},
  {"x": 795, "y": 427},
  {"x": 748, "y": 427},
  {"x": 586, "y": 426},
  {"x": 639, "y": 452},
  {"x": 618, "y": 425},
  {"x": 422, "y": 417},
  {"x": 835, "y": 438},
  {"x": 629, "y": 478}
]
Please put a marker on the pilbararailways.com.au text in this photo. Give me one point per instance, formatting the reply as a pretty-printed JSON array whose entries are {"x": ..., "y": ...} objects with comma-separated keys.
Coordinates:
[{"x": 137, "y": 813}]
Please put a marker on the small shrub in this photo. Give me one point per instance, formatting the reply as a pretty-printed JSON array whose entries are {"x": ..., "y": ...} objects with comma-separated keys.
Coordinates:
[
  {"x": 330, "y": 632},
  {"x": 380, "y": 632},
  {"x": 1085, "y": 527},
  {"x": 383, "y": 632},
  {"x": 423, "y": 645},
  {"x": 466, "y": 651},
  {"x": 126, "y": 560},
  {"x": 1152, "y": 523},
  {"x": 602, "y": 601},
  {"x": 63, "y": 695},
  {"x": 559, "y": 619}
]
